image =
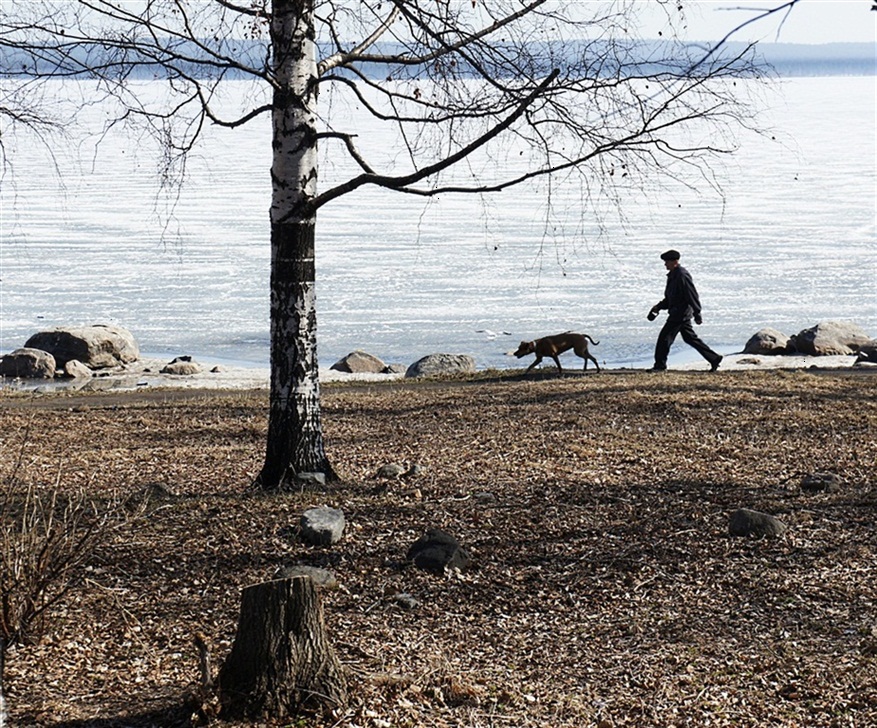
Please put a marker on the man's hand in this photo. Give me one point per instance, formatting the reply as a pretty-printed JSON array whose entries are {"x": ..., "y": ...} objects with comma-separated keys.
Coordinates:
[
  {"x": 653, "y": 313},
  {"x": 698, "y": 320}
]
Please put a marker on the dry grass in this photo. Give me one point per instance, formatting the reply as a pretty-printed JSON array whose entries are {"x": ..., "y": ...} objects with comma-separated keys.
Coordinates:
[{"x": 604, "y": 589}]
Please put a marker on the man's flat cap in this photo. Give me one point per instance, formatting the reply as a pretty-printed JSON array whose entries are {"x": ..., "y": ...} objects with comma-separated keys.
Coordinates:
[{"x": 671, "y": 255}]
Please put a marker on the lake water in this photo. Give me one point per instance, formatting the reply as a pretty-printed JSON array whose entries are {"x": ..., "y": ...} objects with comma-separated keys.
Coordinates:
[{"x": 789, "y": 243}]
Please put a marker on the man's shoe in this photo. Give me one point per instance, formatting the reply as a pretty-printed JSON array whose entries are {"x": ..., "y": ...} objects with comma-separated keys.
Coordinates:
[
  {"x": 657, "y": 369},
  {"x": 715, "y": 364}
]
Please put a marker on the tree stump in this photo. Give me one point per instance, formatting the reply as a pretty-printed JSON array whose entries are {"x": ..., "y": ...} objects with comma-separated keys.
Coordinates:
[{"x": 281, "y": 663}]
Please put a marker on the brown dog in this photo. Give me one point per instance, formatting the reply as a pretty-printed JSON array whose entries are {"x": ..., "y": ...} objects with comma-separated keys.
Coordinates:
[{"x": 554, "y": 345}]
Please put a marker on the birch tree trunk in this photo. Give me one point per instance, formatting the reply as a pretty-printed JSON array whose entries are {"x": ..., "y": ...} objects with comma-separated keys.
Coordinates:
[
  {"x": 281, "y": 664},
  {"x": 295, "y": 440}
]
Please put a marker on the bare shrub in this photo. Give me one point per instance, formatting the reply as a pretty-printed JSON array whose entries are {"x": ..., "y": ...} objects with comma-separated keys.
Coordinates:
[{"x": 47, "y": 535}]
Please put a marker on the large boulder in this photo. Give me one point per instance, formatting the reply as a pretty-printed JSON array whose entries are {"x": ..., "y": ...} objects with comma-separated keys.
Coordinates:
[
  {"x": 767, "y": 341},
  {"x": 435, "y": 365},
  {"x": 359, "y": 362},
  {"x": 830, "y": 338},
  {"x": 28, "y": 363},
  {"x": 98, "y": 347}
]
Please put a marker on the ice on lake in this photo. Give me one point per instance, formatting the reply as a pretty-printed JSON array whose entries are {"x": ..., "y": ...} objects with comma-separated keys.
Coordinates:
[{"x": 788, "y": 241}]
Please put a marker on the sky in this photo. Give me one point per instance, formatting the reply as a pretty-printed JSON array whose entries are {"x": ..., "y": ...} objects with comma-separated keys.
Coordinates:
[{"x": 810, "y": 21}]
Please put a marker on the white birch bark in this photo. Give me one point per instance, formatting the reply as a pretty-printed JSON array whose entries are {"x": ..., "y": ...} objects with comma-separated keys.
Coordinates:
[
  {"x": 295, "y": 433},
  {"x": 294, "y": 168}
]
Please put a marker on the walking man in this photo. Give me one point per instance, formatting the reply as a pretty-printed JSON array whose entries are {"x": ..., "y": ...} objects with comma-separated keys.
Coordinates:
[{"x": 682, "y": 304}]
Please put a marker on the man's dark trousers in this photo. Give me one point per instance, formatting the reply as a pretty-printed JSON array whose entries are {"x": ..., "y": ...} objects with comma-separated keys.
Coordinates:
[{"x": 672, "y": 328}]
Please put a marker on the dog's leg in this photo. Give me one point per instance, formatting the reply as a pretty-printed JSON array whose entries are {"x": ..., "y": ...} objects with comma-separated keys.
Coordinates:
[
  {"x": 536, "y": 361},
  {"x": 596, "y": 364},
  {"x": 557, "y": 361}
]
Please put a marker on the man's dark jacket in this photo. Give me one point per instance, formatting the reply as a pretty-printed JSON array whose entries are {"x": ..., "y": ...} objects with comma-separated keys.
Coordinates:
[{"x": 680, "y": 295}]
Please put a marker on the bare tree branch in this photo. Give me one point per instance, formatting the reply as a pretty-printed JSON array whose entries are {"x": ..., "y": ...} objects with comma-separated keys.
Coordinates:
[
  {"x": 351, "y": 148},
  {"x": 760, "y": 15},
  {"x": 340, "y": 59},
  {"x": 404, "y": 181},
  {"x": 261, "y": 12}
]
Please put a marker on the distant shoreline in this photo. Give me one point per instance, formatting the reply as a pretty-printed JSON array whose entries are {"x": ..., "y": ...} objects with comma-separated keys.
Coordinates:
[{"x": 787, "y": 59}]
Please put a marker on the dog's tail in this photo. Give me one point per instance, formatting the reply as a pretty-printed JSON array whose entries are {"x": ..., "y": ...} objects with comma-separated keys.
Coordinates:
[{"x": 595, "y": 343}]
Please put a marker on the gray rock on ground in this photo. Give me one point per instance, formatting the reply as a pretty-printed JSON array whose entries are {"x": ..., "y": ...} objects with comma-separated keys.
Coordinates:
[
  {"x": 441, "y": 364},
  {"x": 322, "y": 526},
  {"x": 746, "y": 522},
  {"x": 820, "y": 482},
  {"x": 391, "y": 470},
  {"x": 436, "y": 551}
]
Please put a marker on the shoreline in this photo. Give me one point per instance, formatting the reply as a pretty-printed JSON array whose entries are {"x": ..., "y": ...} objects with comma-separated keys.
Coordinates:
[{"x": 144, "y": 374}]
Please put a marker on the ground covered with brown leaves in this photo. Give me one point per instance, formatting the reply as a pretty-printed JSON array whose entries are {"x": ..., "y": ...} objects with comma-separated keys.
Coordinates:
[{"x": 604, "y": 588}]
